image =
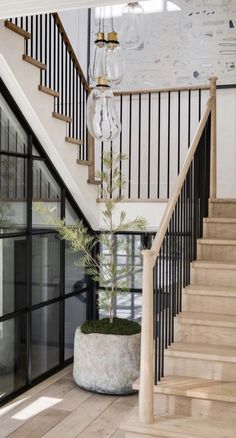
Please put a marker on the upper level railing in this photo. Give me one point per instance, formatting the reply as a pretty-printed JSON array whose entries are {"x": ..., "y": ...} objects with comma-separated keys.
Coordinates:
[
  {"x": 157, "y": 129},
  {"x": 166, "y": 267},
  {"x": 61, "y": 75}
]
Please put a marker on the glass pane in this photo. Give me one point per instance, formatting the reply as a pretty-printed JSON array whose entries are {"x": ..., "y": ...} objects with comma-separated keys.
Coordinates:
[
  {"x": 13, "y": 268},
  {"x": 13, "y": 193},
  {"x": 45, "y": 267},
  {"x": 75, "y": 276},
  {"x": 45, "y": 339},
  {"x": 12, "y": 355},
  {"x": 75, "y": 315},
  {"x": 71, "y": 216},
  {"x": 46, "y": 191},
  {"x": 12, "y": 136},
  {"x": 35, "y": 152},
  {"x": 128, "y": 306}
]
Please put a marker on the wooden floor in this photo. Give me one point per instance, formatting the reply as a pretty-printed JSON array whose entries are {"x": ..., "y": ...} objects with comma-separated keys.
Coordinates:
[{"x": 59, "y": 408}]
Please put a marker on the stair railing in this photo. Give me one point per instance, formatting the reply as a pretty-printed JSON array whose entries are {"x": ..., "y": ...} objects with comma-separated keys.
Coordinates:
[
  {"x": 61, "y": 75},
  {"x": 166, "y": 266}
]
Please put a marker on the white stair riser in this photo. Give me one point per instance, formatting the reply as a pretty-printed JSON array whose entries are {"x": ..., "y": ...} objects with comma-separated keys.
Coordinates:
[
  {"x": 214, "y": 252},
  {"x": 220, "y": 209},
  {"x": 204, "y": 334},
  {"x": 210, "y": 304},
  {"x": 203, "y": 368},
  {"x": 213, "y": 276},
  {"x": 220, "y": 230},
  {"x": 194, "y": 407}
]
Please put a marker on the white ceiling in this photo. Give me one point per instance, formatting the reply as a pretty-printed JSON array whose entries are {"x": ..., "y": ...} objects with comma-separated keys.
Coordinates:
[{"x": 15, "y": 8}]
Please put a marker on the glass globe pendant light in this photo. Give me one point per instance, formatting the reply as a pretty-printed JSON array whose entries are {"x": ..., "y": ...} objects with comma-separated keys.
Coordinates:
[
  {"x": 132, "y": 31},
  {"x": 97, "y": 65},
  {"x": 114, "y": 61},
  {"x": 102, "y": 118}
]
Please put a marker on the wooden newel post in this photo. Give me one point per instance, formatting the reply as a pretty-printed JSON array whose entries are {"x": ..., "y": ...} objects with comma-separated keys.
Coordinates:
[
  {"x": 146, "y": 392},
  {"x": 213, "y": 165}
]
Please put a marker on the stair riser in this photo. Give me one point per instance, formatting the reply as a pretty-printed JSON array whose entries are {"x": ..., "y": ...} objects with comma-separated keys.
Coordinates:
[
  {"x": 198, "y": 408},
  {"x": 220, "y": 209},
  {"x": 214, "y": 252},
  {"x": 205, "y": 369},
  {"x": 202, "y": 334},
  {"x": 220, "y": 230},
  {"x": 210, "y": 304},
  {"x": 213, "y": 277}
]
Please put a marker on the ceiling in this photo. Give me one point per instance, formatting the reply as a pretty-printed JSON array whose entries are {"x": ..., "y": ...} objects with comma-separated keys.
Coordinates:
[{"x": 15, "y": 8}]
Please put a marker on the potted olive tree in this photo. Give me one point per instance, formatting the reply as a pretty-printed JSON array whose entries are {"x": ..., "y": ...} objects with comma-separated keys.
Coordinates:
[{"x": 106, "y": 351}]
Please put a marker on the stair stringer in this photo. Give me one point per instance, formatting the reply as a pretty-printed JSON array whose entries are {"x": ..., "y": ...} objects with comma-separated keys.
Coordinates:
[{"x": 22, "y": 80}]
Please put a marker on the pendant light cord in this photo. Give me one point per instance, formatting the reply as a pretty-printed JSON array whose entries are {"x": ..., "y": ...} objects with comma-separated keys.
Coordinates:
[{"x": 112, "y": 21}]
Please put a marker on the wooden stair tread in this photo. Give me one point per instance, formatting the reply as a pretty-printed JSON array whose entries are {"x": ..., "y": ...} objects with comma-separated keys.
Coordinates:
[
  {"x": 223, "y": 201},
  {"x": 208, "y": 264},
  {"x": 180, "y": 427},
  {"x": 94, "y": 181},
  {"x": 83, "y": 162},
  {"x": 49, "y": 91},
  {"x": 212, "y": 352},
  {"x": 227, "y": 220},
  {"x": 17, "y": 29},
  {"x": 197, "y": 388},
  {"x": 216, "y": 241},
  {"x": 73, "y": 140},
  {"x": 61, "y": 117},
  {"x": 199, "y": 289},
  {"x": 34, "y": 62},
  {"x": 215, "y": 319}
]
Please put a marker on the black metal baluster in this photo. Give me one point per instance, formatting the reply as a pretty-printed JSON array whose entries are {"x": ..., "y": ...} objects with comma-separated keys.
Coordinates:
[
  {"x": 121, "y": 121},
  {"x": 179, "y": 133},
  {"x": 130, "y": 145},
  {"x": 36, "y": 36},
  {"x": 61, "y": 110},
  {"x": 55, "y": 65},
  {"x": 139, "y": 141},
  {"x": 66, "y": 79},
  {"x": 159, "y": 145},
  {"x": 163, "y": 309},
  {"x": 32, "y": 36},
  {"x": 168, "y": 149},
  {"x": 49, "y": 65},
  {"x": 46, "y": 49},
  {"x": 73, "y": 100},
  {"x": 149, "y": 142},
  {"x": 26, "y": 39}
]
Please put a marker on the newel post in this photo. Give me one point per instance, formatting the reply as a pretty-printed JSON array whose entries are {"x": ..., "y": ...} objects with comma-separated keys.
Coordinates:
[
  {"x": 146, "y": 391},
  {"x": 213, "y": 165}
]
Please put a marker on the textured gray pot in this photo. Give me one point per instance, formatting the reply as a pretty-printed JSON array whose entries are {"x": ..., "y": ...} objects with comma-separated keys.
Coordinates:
[{"x": 107, "y": 364}]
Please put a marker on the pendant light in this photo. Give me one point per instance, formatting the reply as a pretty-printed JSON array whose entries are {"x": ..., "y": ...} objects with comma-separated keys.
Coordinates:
[
  {"x": 102, "y": 118},
  {"x": 114, "y": 61},
  {"x": 97, "y": 64},
  {"x": 132, "y": 31}
]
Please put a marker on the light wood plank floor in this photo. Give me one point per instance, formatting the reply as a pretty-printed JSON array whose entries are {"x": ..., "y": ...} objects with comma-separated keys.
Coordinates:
[{"x": 58, "y": 408}]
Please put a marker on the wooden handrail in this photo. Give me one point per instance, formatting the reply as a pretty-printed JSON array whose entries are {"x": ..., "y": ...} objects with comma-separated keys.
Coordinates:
[
  {"x": 71, "y": 50},
  {"x": 161, "y": 90},
  {"x": 180, "y": 181},
  {"x": 146, "y": 393}
]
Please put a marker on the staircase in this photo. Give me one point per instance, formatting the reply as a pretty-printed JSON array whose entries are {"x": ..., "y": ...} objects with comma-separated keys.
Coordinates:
[{"x": 197, "y": 398}]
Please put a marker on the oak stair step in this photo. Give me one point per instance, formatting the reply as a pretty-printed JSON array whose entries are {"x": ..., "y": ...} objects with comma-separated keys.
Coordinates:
[
  {"x": 216, "y": 249},
  {"x": 219, "y": 227},
  {"x": 211, "y": 299},
  {"x": 206, "y": 328},
  {"x": 17, "y": 29},
  {"x": 49, "y": 91},
  {"x": 178, "y": 426},
  {"x": 94, "y": 181},
  {"x": 207, "y": 319},
  {"x": 34, "y": 62},
  {"x": 73, "y": 140},
  {"x": 222, "y": 207},
  {"x": 214, "y": 273},
  {"x": 201, "y": 360},
  {"x": 61, "y": 117},
  {"x": 83, "y": 162}
]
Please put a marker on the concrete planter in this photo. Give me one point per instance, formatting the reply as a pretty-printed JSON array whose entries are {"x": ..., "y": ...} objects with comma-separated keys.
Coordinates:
[{"x": 107, "y": 364}]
